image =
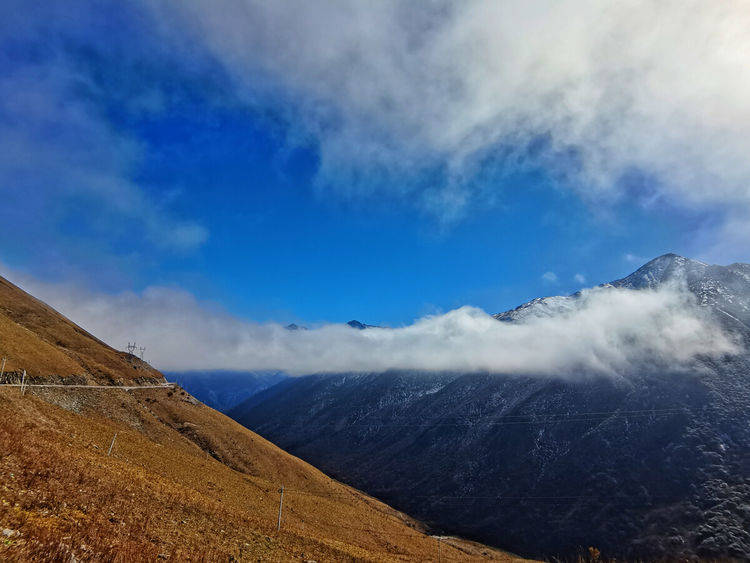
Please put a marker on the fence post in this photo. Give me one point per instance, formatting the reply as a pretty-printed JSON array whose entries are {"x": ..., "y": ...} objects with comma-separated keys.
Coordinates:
[
  {"x": 23, "y": 383},
  {"x": 112, "y": 445},
  {"x": 2, "y": 369},
  {"x": 281, "y": 503}
]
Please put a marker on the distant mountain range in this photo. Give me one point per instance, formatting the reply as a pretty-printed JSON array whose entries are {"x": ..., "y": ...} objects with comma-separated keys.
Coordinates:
[
  {"x": 360, "y": 325},
  {"x": 653, "y": 464},
  {"x": 354, "y": 323},
  {"x": 224, "y": 389}
]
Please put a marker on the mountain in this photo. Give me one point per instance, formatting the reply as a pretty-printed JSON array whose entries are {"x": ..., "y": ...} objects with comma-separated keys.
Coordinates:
[
  {"x": 137, "y": 470},
  {"x": 723, "y": 288},
  {"x": 652, "y": 464},
  {"x": 225, "y": 389},
  {"x": 37, "y": 338},
  {"x": 359, "y": 325}
]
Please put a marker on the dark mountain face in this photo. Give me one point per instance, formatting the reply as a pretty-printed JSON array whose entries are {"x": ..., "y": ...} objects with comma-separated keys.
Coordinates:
[
  {"x": 223, "y": 390},
  {"x": 648, "y": 465}
]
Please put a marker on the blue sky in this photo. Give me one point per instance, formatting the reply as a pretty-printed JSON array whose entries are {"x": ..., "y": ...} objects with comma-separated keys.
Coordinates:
[{"x": 352, "y": 170}]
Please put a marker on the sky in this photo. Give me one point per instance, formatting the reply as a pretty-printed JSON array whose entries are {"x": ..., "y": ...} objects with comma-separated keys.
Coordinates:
[{"x": 316, "y": 162}]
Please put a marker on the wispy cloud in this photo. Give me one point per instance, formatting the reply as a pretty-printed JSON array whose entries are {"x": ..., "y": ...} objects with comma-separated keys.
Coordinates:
[
  {"x": 579, "y": 278},
  {"x": 549, "y": 277},
  {"x": 591, "y": 91},
  {"x": 608, "y": 331},
  {"x": 415, "y": 100},
  {"x": 65, "y": 168}
]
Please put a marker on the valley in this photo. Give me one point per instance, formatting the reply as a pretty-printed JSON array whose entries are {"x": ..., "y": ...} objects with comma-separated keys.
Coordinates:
[
  {"x": 182, "y": 481},
  {"x": 649, "y": 463}
]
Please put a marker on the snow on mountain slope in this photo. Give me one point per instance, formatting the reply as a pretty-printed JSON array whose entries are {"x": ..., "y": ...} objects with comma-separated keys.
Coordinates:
[
  {"x": 721, "y": 287},
  {"x": 539, "y": 307},
  {"x": 649, "y": 465}
]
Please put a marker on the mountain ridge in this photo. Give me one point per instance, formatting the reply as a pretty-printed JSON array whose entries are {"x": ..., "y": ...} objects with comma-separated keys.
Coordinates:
[
  {"x": 225, "y": 389},
  {"x": 647, "y": 465},
  {"x": 137, "y": 473},
  {"x": 697, "y": 277},
  {"x": 37, "y": 338}
]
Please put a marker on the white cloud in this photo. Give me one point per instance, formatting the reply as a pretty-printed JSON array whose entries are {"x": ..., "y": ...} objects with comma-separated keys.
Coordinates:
[
  {"x": 610, "y": 331},
  {"x": 580, "y": 278},
  {"x": 549, "y": 277},
  {"x": 390, "y": 88}
]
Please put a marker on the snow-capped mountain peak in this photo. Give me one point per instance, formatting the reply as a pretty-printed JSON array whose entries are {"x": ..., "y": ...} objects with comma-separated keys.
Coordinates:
[
  {"x": 664, "y": 269},
  {"x": 725, "y": 288}
]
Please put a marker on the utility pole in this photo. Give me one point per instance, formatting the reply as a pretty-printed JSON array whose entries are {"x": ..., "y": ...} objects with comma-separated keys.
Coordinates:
[
  {"x": 281, "y": 503},
  {"x": 112, "y": 445},
  {"x": 23, "y": 383},
  {"x": 142, "y": 350},
  {"x": 2, "y": 369}
]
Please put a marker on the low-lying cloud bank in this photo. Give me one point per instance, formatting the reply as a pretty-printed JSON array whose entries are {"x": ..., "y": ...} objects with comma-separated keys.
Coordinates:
[{"x": 608, "y": 331}]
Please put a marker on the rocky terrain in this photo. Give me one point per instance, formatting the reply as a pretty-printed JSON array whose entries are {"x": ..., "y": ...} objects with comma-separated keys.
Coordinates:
[{"x": 651, "y": 464}]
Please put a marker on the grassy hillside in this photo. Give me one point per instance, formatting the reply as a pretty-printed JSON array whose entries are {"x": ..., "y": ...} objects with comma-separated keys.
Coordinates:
[
  {"x": 183, "y": 481},
  {"x": 35, "y": 337}
]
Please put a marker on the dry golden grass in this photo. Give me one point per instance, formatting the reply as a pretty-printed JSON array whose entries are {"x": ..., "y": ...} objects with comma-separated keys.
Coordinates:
[
  {"x": 184, "y": 482},
  {"x": 35, "y": 337},
  {"x": 161, "y": 495}
]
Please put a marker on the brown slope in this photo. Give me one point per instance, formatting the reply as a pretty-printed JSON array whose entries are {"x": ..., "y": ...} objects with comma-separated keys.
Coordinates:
[
  {"x": 183, "y": 481},
  {"x": 35, "y": 337}
]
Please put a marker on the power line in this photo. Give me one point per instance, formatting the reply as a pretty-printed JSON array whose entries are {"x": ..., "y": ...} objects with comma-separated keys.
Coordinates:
[
  {"x": 542, "y": 498},
  {"x": 133, "y": 347},
  {"x": 533, "y": 419}
]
